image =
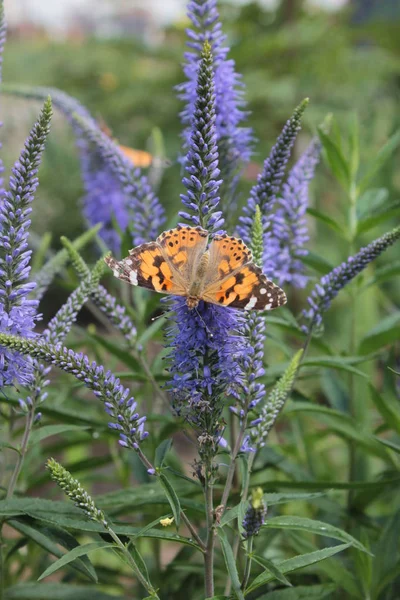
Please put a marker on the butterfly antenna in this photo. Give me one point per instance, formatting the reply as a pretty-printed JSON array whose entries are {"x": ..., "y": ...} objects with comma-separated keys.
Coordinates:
[
  {"x": 163, "y": 314},
  {"x": 209, "y": 333}
]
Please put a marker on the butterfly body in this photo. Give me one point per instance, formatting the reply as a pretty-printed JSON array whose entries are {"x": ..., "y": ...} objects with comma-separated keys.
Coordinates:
[{"x": 180, "y": 262}]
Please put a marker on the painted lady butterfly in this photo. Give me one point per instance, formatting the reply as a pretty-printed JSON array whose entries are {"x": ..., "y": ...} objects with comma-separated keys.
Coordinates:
[{"x": 179, "y": 263}]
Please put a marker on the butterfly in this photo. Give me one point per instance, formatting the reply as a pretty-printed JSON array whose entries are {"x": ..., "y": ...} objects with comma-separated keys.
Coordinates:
[
  {"x": 139, "y": 158},
  {"x": 182, "y": 263}
]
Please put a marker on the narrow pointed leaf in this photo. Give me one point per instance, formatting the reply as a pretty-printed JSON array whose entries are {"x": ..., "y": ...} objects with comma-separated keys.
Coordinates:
[
  {"x": 230, "y": 564},
  {"x": 172, "y": 498},
  {"x": 297, "y": 562},
  {"x": 315, "y": 527},
  {"x": 73, "y": 554}
]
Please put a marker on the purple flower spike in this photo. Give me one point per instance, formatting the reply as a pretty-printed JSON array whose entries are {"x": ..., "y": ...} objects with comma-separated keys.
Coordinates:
[
  {"x": 269, "y": 182},
  {"x": 202, "y": 158},
  {"x": 330, "y": 285},
  {"x": 18, "y": 314},
  {"x": 205, "y": 349},
  {"x": 234, "y": 140},
  {"x": 289, "y": 224}
]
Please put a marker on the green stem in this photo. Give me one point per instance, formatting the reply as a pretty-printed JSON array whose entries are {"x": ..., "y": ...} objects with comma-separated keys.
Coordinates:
[
  {"x": 352, "y": 401},
  {"x": 232, "y": 466},
  {"x": 21, "y": 456},
  {"x": 236, "y": 541},
  {"x": 146, "y": 584},
  {"x": 209, "y": 552},
  {"x": 247, "y": 568}
]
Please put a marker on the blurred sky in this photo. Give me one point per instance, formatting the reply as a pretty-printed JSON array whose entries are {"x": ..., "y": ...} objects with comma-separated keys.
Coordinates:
[{"x": 57, "y": 14}]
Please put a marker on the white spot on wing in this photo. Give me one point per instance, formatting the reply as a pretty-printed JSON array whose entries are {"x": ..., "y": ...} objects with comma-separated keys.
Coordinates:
[
  {"x": 116, "y": 273},
  {"x": 251, "y": 303},
  {"x": 133, "y": 277},
  {"x": 263, "y": 291}
]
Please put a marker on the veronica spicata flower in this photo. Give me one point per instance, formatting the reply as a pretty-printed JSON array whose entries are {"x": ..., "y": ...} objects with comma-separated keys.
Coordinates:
[
  {"x": 118, "y": 402},
  {"x": 289, "y": 224},
  {"x": 330, "y": 285},
  {"x": 264, "y": 192},
  {"x": 145, "y": 214},
  {"x": 18, "y": 313},
  {"x": 255, "y": 515},
  {"x": 204, "y": 345},
  {"x": 234, "y": 140},
  {"x": 75, "y": 491}
]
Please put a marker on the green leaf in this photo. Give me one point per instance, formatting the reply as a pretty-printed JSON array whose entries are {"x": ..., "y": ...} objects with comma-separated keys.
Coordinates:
[
  {"x": 56, "y": 591},
  {"x": 389, "y": 444},
  {"x": 297, "y": 562},
  {"x": 20, "y": 506},
  {"x": 161, "y": 452},
  {"x": 317, "y": 262},
  {"x": 384, "y": 273},
  {"x": 383, "y": 155},
  {"x": 66, "y": 515},
  {"x": 172, "y": 498},
  {"x": 385, "y": 214},
  {"x": 272, "y": 568},
  {"x": 47, "y": 273},
  {"x": 389, "y": 410},
  {"x": 271, "y": 499},
  {"x": 9, "y": 447},
  {"x": 233, "y": 513},
  {"x": 336, "y": 159},
  {"x": 365, "y": 486},
  {"x": 124, "y": 356},
  {"x": 371, "y": 201},
  {"x": 342, "y": 424},
  {"x": 73, "y": 554},
  {"x": 137, "y": 557},
  {"x": 334, "y": 362},
  {"x": 275, "y": 498},
  {"x": 324, "y": 218},
  {"x": 315, "y": 527},
  {"x": 48, "y": 430},
  {"x": 151, "y": 330},
  {"x": 386, "y": 332},
  {"x": 386, "y": 562},
  {"x": 301, "y": 592},
  {"x": 126, "y": 500},
  {"x": 230, "y": 564},
  {"x": 41, "y": 536}
]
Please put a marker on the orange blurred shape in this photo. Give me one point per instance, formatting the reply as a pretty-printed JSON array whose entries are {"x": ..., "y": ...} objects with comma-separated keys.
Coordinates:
[{"x": 139, "y": 158}]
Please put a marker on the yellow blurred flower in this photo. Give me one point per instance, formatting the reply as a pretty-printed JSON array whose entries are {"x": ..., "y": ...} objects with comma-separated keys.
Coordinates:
[
  {"x": 256, "y": 497},
  {"x": 167, "y": 521}
]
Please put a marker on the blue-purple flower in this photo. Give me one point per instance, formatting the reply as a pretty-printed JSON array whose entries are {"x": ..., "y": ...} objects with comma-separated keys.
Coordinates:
[
  {"x": 264, "y": 192},
  {"x": 289, "y": 223},
  {"x": 205, "y": 344},
  {"x": 234, "y": 140},
  {"x": 104, "y": 200},
  {"x": 117, "y": 399},
  {"x": 255, "y": 515},
  {"x": 330, "y": 285},
  {"x": 202, "y": 185},
  {"x": 18, "y": 313}
]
